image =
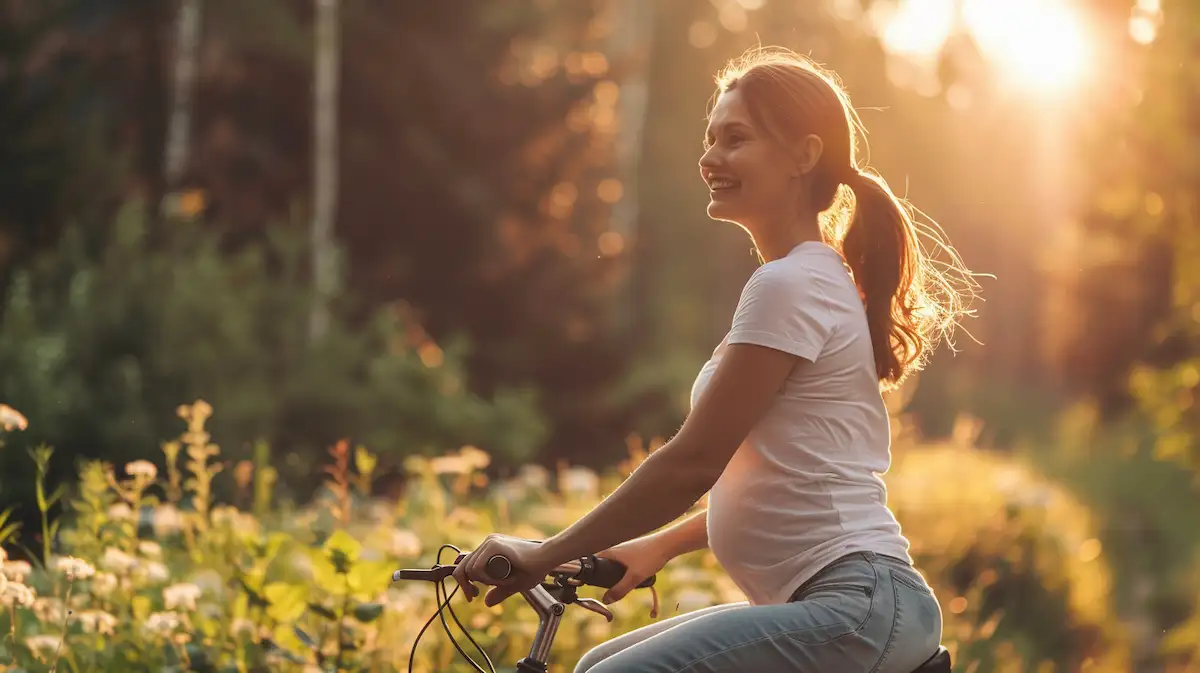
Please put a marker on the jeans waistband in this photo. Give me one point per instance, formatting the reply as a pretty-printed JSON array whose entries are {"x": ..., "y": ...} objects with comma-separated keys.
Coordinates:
[{"x": 868, "y": 556}]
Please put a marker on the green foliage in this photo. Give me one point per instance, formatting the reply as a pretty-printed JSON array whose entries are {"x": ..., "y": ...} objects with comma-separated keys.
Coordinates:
[
  {"x": 93, "y": 346},
  {"x": 190, "y": 585}
]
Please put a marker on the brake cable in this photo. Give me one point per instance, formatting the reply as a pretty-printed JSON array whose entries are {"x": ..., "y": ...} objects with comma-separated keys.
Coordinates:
[{"x": 438, "y": 589}]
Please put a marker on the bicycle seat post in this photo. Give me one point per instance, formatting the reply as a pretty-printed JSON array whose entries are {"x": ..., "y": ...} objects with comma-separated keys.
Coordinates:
[{"x": 549, "y": 611}]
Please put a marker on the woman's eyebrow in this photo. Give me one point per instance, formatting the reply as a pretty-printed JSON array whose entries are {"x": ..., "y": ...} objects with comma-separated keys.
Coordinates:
[{"x": 729, "y": 126}]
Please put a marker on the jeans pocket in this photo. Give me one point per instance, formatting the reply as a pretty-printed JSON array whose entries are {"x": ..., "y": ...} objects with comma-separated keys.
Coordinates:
[
  {"x": 837, "y": 604},
  {"x": 916, "y": 628}
]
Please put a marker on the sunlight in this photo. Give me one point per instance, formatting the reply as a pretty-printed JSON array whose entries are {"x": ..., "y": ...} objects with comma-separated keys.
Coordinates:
[
  {"x": 1035, "y": 42},
  {"x": 917, "y": 28}
]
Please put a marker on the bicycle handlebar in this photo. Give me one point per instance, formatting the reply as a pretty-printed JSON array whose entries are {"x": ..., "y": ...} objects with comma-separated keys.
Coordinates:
[{"x": 590, "y": 570}]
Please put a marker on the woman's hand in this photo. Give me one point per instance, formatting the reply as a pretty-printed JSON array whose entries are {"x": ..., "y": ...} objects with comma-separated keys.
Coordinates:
[
  {"x": 642, "y": 557},
  {"x": 529, "y": 568}
]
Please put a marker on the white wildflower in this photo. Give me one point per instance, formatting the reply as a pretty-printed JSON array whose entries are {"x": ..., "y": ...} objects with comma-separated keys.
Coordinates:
[
  {"x": 405, "y": 543},
  {"x": 510, "y": 491},
  {"x": 103, "y": 583},
  {"x": 239, "y": 626},
  {"x": 381, "y": 512},
  {"x": 16, "y": 571},
  {"x": 579, "y": 481},
  {"x": 166, "y": 520},
  {"x": 224, "y": 515},
  {"x": 17, "y": 594},
  {"x": 163, "y": 623},
  {"x": 450, "y": 464},
  {"x": 150, "y": 549},
  {"x": 118, "y": 561},
  {"x": 97, "y": 621},
  {"x": 209, "y": 581},
  {"x": 11, "y": 418},
  {"x": 534, "y": 477},
  {"x": 120, "y": 512},
  {"x": 48, "y": 609},
  {"x": 74, "y": 568},
  {"x": 475, "y": 457},
  {"x": 154, "y": 572},
  {"x": 142, "y": 468},
  {"x": 181, "y": 596},
  {"x": 42, "y": 645}
]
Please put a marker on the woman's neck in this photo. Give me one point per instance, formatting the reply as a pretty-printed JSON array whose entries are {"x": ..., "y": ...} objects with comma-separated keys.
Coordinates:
[{"x": 775, "y": 242}]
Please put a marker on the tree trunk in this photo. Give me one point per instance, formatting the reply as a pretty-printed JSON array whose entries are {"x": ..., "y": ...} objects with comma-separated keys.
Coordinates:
[
  {"x": 325, "y": 160},
  {"x": 179, "y": 120},
  {"x": 630, "y": 46}
]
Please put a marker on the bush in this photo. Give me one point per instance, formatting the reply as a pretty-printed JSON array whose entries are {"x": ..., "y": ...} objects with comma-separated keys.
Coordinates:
[
  {"x": 94, "y": 348},
  {"x": 1015, "y": 559},
  {"x": 160, "y": 579}
]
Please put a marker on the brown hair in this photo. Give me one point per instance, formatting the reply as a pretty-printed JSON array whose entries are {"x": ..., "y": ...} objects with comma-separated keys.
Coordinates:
[{"x": 912, "y": 300}]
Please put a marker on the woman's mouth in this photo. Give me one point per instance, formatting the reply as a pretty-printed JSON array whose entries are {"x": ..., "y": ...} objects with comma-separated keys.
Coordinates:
[{"x": 722, "y": 184}]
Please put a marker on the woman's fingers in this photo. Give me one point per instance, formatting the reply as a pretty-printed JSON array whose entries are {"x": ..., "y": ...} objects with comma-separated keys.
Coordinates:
[{"x": 464, "y": 581}]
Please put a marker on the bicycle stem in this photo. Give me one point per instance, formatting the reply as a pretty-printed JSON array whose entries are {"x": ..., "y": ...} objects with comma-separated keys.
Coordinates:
[{"x": 550, "y": 612}]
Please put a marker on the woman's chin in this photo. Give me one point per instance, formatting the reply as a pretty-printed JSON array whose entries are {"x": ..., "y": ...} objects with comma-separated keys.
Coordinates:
[{"x": 718, "y": 210}]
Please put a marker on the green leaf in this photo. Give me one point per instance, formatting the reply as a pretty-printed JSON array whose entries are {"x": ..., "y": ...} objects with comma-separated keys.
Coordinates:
[
  {"x": 288, "y": 601},
  {"x": 367, "y": 612},
  {"x": 305, "y": 638},
  {"x": 57, "y": 495},
  {"x": 141, "y": 607},
  {"x": 366, "y": 580},
  {"x": 322, "y": 611},
  {"x": 342, "y": 550}
]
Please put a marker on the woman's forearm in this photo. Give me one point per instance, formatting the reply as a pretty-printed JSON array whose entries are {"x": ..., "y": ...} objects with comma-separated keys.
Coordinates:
[
  {"x": 661, "y": 489},
  {"x": 688, "y": 535}
]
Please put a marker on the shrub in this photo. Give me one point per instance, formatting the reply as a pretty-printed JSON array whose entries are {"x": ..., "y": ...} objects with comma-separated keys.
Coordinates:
[{"x": 94, "y": 346}]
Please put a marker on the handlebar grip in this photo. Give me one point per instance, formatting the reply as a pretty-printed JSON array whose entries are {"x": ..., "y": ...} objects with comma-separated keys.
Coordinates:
[
  {"x": 606, "y": 573},
  {"x": 498, "y": 567}
]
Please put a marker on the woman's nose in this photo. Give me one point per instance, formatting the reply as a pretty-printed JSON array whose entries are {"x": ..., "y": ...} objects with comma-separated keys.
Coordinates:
[{"x": 709, "y": 159}]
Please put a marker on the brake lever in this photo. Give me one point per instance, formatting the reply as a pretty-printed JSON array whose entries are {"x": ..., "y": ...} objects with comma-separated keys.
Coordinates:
[{"x": 593, "y": 605}]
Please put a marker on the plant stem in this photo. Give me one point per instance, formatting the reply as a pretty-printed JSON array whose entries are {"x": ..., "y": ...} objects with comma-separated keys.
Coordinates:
[
  {"x": 337, "y": 663},
  {"x": 66, "y": 618}
]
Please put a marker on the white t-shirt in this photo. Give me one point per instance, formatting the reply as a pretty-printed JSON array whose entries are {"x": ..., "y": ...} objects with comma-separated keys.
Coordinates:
[{"x": 804, "y": 488}]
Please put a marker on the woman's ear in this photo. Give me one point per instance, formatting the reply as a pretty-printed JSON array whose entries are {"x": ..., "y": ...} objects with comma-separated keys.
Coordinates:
[{"x": 808, "y": 153}]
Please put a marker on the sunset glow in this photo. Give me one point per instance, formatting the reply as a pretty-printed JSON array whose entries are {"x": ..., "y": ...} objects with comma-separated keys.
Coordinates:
[{"x": 1039, "y": 44}]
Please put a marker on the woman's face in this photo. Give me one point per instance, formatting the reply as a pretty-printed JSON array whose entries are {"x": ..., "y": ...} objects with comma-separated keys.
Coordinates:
[{"x": 752, "y": 179}]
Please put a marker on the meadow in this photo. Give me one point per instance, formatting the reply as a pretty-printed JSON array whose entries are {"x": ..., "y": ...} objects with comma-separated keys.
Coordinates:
[{"x": 148, "y": 572}]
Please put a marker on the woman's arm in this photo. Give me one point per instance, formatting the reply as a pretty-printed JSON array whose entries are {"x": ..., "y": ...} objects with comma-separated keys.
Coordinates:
[
  {"x": 688, "y": 535},
  {"x": 676, "y": 476}
]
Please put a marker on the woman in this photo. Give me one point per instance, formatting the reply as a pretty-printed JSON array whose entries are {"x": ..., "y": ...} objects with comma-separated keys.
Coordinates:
[{"x": 788, "y": 428}]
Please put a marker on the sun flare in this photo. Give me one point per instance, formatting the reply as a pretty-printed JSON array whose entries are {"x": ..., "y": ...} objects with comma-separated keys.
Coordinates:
[
  {"x": 1034, "y": 42},
  {"x": 1039, "y": 44}
]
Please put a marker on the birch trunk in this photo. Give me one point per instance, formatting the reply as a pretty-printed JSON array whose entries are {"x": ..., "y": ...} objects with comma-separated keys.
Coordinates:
[
  {"x": 325, "y": 160},
  {"x": 179, "y": 121}
]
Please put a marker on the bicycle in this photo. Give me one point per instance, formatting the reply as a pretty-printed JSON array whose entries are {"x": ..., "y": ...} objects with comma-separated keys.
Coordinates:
[{"x": 549, "y": 601}]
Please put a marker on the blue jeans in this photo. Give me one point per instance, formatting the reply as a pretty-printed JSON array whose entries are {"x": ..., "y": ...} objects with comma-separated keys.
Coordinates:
[{"x": 864, "y": 613}]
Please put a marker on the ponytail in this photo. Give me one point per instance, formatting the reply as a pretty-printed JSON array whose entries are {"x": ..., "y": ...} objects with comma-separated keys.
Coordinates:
[{"x": 902, "y": 290}]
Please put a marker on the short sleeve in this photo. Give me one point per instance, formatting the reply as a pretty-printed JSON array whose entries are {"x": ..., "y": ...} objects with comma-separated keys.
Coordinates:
[{"x": 783, "y": 309}]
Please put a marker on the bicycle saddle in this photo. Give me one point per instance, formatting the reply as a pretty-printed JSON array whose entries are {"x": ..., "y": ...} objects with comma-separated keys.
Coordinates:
[{"x": 938, "y": 663}]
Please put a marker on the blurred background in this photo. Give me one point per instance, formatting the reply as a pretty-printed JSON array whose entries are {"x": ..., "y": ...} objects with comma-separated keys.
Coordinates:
[{"x": 421, "y": 226}]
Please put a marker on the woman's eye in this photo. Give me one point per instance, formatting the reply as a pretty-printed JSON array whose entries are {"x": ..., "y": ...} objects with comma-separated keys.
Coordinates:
[{"x": 735, "y": 140}]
